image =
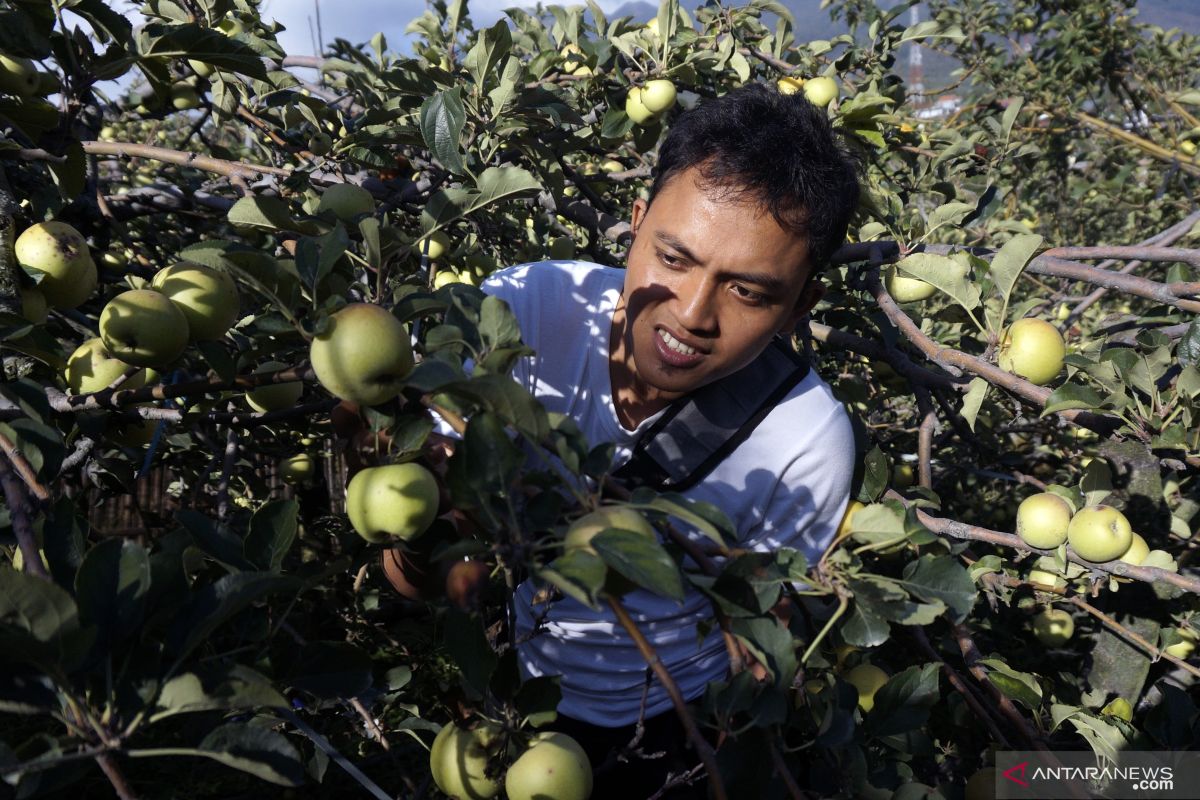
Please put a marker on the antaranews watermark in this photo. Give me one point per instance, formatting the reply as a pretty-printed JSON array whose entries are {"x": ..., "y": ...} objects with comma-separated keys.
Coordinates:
[{"x": 1151, "y": 774}]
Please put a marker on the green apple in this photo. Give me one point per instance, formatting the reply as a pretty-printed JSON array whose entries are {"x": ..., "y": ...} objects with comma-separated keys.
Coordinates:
[
  {"x": 847, "y": 523},
  {"x": 61, "y": 254},
  {"x": 184, "y": 97},
  {"x": 981, "y": 785},
  {"x": 1033, "y": 349},
  {"x": 821, "y": 91},
  {"x": 1119, "y": 707},
  {"x": 207, "y": 297},
  {"x": 1099, "y": 533},
  {"x": 906, "y": 290},
  {"x": 581, "y": 532},
  {"x": 320, "y": 143},
  {"x": 1053, "y": 627},
  {"x": 636, "y": 109},
  {"x": 1042, "y": 520},
  {"x": 298, "y": 469},
  {"x": 92, "y": 368},
  {"x": 346, "y": 201},
  {"x": 903, "y": 476},
  {"x": 554, "y": 767},
  {"x": 143, "y": 328},
  {"x": 18, "y": 76},
  {"x": 201, "y": 68},
  {"x": 1137, "y": 552},
  {"x": 789, "y": 85},
  {"x": 562, "y": 248},
  {"x": 34, "y": 307},
  {"x": 274, "y": 396},
  {"x": 658, "y": 96},
  {"x": 448, "y": 275},
  {"x": 458, "y": 761},
  {"x": 1046, "y": 578},
  {"x": 573, "y": 58},
  {"x": 364, "y": 354},
  {"x": 867, "y": 679},
  {"x": 397, "y": 501},
  {"x": 1188, "y": 147},
  {"x": 1185, "y": 647},
  {"x": 434, "y": 245}
]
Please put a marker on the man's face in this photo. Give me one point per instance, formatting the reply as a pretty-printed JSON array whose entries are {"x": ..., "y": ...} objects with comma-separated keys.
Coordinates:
[{"x": 709, "y": 281}]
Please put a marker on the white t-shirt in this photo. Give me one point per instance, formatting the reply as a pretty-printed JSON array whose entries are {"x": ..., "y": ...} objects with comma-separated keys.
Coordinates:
[{"x": 787, "y": 485}]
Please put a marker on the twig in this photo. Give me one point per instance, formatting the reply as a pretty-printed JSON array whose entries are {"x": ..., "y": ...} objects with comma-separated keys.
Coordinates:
[
  {"x": 18, "y": 509},
  {"x": 371, "y": 725},
  {"x": 166, "y": 155},
  {"x": 108, "y": 764},
  {"x": 23, "y": 469},
  {"x": 785, "y": 774},
  {"x": 960, "y": 685},
  {"x": 971, "y": 656},
  {"x": 1129, "y": 635},
  {"x": 664, "y": 677}
]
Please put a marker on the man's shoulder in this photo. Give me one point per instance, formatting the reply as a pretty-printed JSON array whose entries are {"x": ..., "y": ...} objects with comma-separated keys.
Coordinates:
[
  {"x": 563, "y": 276},
  {"x": 810, "y": 411}
]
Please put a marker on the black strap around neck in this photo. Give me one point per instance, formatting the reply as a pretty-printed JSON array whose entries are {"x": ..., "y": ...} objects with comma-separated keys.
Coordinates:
[{"x": 699, "y": 431}]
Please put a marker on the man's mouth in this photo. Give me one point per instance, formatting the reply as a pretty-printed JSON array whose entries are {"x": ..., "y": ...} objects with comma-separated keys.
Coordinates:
[{"x": 676, "y": 345}]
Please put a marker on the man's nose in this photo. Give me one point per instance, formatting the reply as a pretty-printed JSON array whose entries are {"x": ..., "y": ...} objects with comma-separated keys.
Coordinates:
[{"x": 697, "y": 304}]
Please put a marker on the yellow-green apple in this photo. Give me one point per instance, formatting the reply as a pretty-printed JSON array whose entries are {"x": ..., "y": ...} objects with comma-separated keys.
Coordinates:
[
  {"x": 144, "y": 328},
  {"x": 59, "y": 252},
  {"x": 554, "y": 766},
  {"x": 1033, "y": 349},
  {"x": 1042, "y": 520},
  {"x": 1099, "y": 533},
  {"x": 206, "y": 296},
  {"x": 820, "y": 91},
  {"x": 274, "y": 396},
  {"x": 635, "y": 108},
  {"x": 434, "y": 245},
  {"x": 789, "y": 85},
  {"x": 320, "y": 143},
  {"x": 363, "y": 354},
  {"x": 92, "y": 368},
  {"x": 847, "y": 523},
  {"x": 906, "y": 290},
  {"x": 572, "y": 58},
  {"x": 581, "y": 532},
  {"x": 1053, "y": 627},
  {"x": 658, "y": 96},
  {"x": 867, "y": 679},
  {"x": 184, "y": 96},
  {"x": 1046, "y": 578},
  {"x": 458, "y": 761},
  {"x": 34, "y": 307},
  {"x": 18, "y": 76},
  {"x": 448, "y": 275},
  {"x": 1186, "y": 646},
  {"x": 298, "y": 469},
  {"x": 201, "y": 68},
  {"x": 396, "y": 501},
  {"x": 1137, "y": 552},
  {"x": 981, "y": 785},
  {"x": 562, "y": 248},
  {"x": 346, "y": 201},
  {"x": 1188, "y": 147},
  {"x": 1119, "y": 707}
]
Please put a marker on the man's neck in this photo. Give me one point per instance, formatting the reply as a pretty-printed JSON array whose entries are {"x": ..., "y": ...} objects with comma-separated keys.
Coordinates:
[{"x": 632, "y": 399}]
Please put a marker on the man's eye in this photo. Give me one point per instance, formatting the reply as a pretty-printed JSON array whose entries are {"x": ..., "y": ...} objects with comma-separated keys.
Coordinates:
[
  {"x": 668, "y": 259},
  {"x": 750, "y": 296}
]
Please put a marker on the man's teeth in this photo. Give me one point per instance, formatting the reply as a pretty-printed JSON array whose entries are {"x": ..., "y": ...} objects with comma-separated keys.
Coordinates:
[{"x": 676, "y": 345}]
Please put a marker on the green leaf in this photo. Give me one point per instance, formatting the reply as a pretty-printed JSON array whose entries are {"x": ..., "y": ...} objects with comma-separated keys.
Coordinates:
[
  {"x": 973, "y": 401},
  {"x": 1008, "y": 263},
  {"x": 1188, "y": 350},
  {"x": 943, "y": 579},
  {"x": 494, "y": 184},
  {"x": 538, "y": 698},
  {"x": 217, "y": 603},
  {"x": 264, "y": 213},
  {"x": 247, "y": 747},
  {"x": 641, "y": 560},
  {"x": 198, "y": 43},
  {"x": 70, "y": 176},
  {"x": 111, "y": 587},
  {"x": 878, "y": 523},
  {"x": 220, "y": 688},
  {"x": 1020, "y": 686},
  {"x": 948, "y": 214},
  {"x": 578, "y": 574},
  {"x": 316, "y": 257},
  {"x": 441, "y": 123},
  {"x": 1072, "y": 395},
  {"x": 1105, "y": 739},
  {"x": 215, "y": 538},
  {"x": 36, "y": 606},
  {"x": 903, "y": 703},
  {"x": 947, "y": 274},
  {"x": 704, "y": 517},
  {"x": 272, "y": 531},
  {"x": 770, "y": 643},
  {"x": 491, "y": 47},
  {"x": 330, "y": 670},
  {"x": 467, "y": 643}
]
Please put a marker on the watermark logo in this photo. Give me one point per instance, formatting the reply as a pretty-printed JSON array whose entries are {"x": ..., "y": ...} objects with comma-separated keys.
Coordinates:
[
  {"x": 1050, "y": 775},
  {"x": 1017, "y": 774}
]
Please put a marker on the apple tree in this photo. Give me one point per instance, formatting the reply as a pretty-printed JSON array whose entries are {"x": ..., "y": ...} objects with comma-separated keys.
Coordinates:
[{"x": 238, "y": 296}]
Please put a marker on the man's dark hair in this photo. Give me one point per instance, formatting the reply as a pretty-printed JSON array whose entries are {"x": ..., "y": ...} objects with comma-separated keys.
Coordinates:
[{"x": 777, "y": 150}]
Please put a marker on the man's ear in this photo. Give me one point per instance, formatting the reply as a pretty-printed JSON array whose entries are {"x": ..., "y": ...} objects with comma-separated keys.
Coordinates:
[
  {"x": 637, "y": 215},
  {"x": 810, "y": 295}
]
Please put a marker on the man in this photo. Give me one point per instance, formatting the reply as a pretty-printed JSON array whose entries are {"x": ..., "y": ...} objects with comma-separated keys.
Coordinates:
[{"x": 752, "y": 193}]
